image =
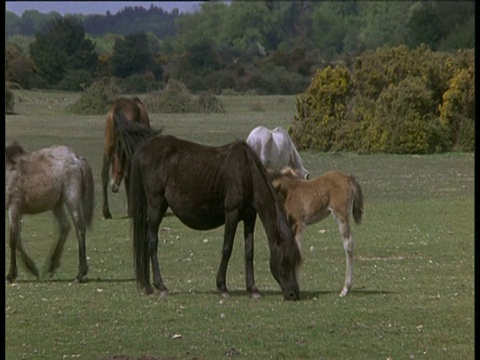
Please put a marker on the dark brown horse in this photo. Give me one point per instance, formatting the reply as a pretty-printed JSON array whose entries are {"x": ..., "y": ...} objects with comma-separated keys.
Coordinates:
[
  {"x": 310, "y": 201},
  {"x": 205, "y": 187},
  {"x": 55, "y": 179},
  {"x": 133, "y": 110}
]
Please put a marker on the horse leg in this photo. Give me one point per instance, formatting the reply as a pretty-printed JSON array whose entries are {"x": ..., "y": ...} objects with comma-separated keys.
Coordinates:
[
  {"x": 107, "y": 159},
  {"x": 249, "y": 227},
  {"x": 127, "y": 191},
  {"x": 16, "y": 243},
  {"x": 14, "y": 221},
  {"x": 63, "y": 230},
  {"x": 348, "y": 244},
  {"x": 298, "y": 230},
  {"x": 231, "y": 222},
  {"x": 154, "y": 219},
  {"x": 75, "y": 210}
]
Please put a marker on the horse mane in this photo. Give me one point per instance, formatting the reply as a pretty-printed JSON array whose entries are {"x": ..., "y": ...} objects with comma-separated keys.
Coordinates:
[
  {"x": 288, "y": 248},
  {"x": 129, "y": 135},
  {"x": 12, "y": 152}
]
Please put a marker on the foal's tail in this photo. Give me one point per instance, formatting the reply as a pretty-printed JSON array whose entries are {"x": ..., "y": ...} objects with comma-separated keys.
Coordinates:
[
  {"x": 138, "y": 212},
  {"x": 88, "y": 192},
  {"x": 357, "y": 209}
]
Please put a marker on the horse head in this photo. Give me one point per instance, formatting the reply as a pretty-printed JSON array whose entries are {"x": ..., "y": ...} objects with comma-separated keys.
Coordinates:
[
  {"x": 117, "y": 174},
  {"x": 12, "y": 152},
  {"x": 285, "y": 261}
]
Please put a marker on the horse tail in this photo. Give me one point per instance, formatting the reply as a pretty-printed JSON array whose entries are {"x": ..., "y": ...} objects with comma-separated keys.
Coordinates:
[
  {"x": 357, "y": 209},
  {"x": 88, "y": 192},
  {"x": 138, "y": 213}
]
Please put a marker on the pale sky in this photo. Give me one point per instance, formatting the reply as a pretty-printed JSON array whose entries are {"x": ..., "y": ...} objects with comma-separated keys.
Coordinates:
[{"x": 95, "y": 7}]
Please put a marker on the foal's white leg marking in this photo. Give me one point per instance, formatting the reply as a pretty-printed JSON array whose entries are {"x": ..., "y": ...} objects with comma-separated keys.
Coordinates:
[
  {"x": 300, "y": 227},
  {"x": 348, "y": 244}
]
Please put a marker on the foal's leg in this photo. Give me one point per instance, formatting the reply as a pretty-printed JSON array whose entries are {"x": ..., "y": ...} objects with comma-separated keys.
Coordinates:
[
  {"x": 231, "y": 222},
  {"x": 154, "y": 219},
  {"x": 249, "y": 227},
  {"x": 348, "y": 243},
  {"x": 63, "y": 230}
]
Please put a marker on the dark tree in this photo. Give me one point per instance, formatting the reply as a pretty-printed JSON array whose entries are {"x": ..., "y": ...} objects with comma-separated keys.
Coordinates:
[
  {"x": 131, "y": 55},
  {"x": 60, "y": 47}
]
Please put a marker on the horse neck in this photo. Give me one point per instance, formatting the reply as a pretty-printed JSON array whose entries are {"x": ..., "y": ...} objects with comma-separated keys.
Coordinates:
[
  {"x": 265, "y": 202},
  {"x": 296, "y": 159}
]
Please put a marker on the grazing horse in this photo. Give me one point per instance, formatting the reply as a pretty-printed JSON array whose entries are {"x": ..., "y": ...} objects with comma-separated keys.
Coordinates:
[
  {"x": 276, "y": 150},
  {"x": 205, "y": 187},
  {"x": 133, "y": 110},
  {"x": 310, "y": 201},
  {"x": 53, "y": 179}
]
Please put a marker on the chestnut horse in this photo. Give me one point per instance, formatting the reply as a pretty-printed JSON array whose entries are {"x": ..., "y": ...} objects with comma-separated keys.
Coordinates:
[
  {"x": 205, "y": 187},
  {"x": 53, "y": 179},
  {"x": 133, "y": 110},
  {"x": 310, "y": 201}
]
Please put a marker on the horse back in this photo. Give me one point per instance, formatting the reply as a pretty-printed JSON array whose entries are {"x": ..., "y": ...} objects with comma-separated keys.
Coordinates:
[
  {"x": 39, "y": 179},
  {"x": 213, "y": 179}
]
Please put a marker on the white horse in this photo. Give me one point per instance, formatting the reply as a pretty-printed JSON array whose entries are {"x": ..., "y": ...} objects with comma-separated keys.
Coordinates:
[{"x": 276, "y": 150}]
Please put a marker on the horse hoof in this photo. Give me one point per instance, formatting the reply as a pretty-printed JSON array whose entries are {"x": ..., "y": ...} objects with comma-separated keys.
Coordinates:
[
  {"x": 10, "y": 279},
  {"x": 82, "y": 280},
  {"x": 149, "y": 290},
  {"x": 225, "y": 294},
  {"x": 107, "y": 216},
  {"x": 255, "y": 295}
]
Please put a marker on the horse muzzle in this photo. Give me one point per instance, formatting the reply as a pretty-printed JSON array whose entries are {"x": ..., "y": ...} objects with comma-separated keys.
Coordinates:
[{"x": 291, "y": 295}]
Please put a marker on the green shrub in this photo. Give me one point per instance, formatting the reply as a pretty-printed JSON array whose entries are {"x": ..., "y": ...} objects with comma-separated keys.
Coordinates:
[
  {"x": 322, "y": 109},
  {"x": 394, "y": 100},
  {"x": 208, "y": 103},
  {"x": 97, "y": 98},
  {"x": 218, "y": 80},
  {"x": 176, "y": 98},
  {"x": 457, "y": 112},
  {"x": 76, "y": 80}
]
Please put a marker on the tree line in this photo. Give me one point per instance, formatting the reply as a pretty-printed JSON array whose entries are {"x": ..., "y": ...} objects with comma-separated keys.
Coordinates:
[
  {"x": 369, "y": 76},
  {"x": 265, "y": 46}
]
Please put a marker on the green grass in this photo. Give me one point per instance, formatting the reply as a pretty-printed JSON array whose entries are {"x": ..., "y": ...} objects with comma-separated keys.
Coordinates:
[{"x": 413, "y": 291}]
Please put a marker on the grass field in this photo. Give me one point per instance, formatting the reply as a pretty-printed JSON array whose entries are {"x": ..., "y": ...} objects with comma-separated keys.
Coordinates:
[{"x": 413, "y": 290}]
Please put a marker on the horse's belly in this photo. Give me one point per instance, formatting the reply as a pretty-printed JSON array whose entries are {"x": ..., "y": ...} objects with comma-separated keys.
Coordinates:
[
  {"x": 39, "y": 204},
  {"x": 198, "y": 215}
]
